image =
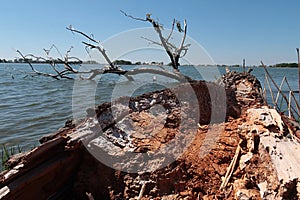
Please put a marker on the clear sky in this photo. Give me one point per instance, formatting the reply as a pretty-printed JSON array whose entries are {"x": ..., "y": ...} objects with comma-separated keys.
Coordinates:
[{"x": 229, "y": 30}]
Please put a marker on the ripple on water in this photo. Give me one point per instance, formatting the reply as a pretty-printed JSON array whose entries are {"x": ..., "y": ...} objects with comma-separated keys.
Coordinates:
[{"x": 33, "y": 107}]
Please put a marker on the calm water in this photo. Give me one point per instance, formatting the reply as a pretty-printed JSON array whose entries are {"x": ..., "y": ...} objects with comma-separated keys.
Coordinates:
[{"x": 32, "y": 107}]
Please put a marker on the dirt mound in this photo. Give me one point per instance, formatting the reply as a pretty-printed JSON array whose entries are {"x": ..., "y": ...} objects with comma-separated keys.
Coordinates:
[{"x": 196, "y": 141}]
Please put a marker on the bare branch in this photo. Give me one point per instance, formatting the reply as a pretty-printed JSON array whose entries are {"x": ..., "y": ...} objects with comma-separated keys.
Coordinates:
[
  {"x": 173, "y": 52},
  {"x": 103, "y": 52},
  {"x": 136, "y": 18},
  {"x": 87, "y": 51},
  {"x": 68, "y": 66},
  {"x": 49, "y": 50},
  {"x": 34, "y": 70},
  {"x": 69, "y": 50},
  {"x": 184, "y": 53},
  {"x": 152, "y": 41},
  {"x": 67, "y": 54},
  {"x": 172, "y": 29},
  {"x": 53, "y": 63},
  {"x": 92, "y": 46},
  {"x": 82, "y": 33},
  {"x": 183, "y": 38},
  {"x": 186, "y": 46}
]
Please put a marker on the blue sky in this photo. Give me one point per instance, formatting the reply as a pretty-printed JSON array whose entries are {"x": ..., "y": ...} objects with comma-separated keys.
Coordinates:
[{"x": 229, "y": 31}]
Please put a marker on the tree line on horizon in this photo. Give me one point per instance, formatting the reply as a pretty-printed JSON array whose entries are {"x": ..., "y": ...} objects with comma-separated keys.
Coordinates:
[
  {"x": 58, "y": 61},
  {"x": 22, "y": 60},
  {"x": 128, "y": 62}
]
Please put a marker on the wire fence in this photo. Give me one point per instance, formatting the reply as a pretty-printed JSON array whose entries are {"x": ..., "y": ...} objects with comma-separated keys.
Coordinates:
[{"x": 283, "y": 100}]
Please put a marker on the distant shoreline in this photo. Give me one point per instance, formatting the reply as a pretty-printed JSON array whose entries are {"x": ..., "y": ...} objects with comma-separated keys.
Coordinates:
[{"x": 122, "y": 62}]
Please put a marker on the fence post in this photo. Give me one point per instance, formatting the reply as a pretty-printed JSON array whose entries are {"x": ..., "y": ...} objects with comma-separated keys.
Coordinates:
[
  {"x": 298, "y": 72},
  {"x": 289, "y": 106}
]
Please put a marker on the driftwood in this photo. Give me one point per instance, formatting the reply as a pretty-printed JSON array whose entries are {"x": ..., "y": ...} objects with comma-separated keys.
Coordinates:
[
  {"x": 128, "y": 73},
  {"x": 58, "y": 74},
  {"x": 142, "y": 191},
  {"x": 175, "y": 53},
  {"x": 232, "y": 166}
]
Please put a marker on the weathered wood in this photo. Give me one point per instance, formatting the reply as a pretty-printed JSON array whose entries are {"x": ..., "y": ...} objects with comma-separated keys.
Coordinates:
[
  {"x": 280, "y": 88},
  {"x": 43, "y": 181},
  {"x": 174, "y": 53},
  {"x": 231, "y": 167},
  {"x": 285, "y": 156},
  {"x": 142, "y": 191},
  {"x": 292, "y": 93},
  {"x": 274, "y": 83},
  {"x": 298, "y": 71},
  {"x": 271, "y": 92}
]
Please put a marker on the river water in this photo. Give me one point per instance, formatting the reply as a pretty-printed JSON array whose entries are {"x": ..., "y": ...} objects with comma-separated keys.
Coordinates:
[{"x": 31, "y": 107}]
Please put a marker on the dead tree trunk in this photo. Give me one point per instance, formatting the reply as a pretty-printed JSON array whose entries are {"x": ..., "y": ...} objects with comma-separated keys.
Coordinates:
[
  {"x": 128, "y": 73},
  {"x": 174, "y": 53}
]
